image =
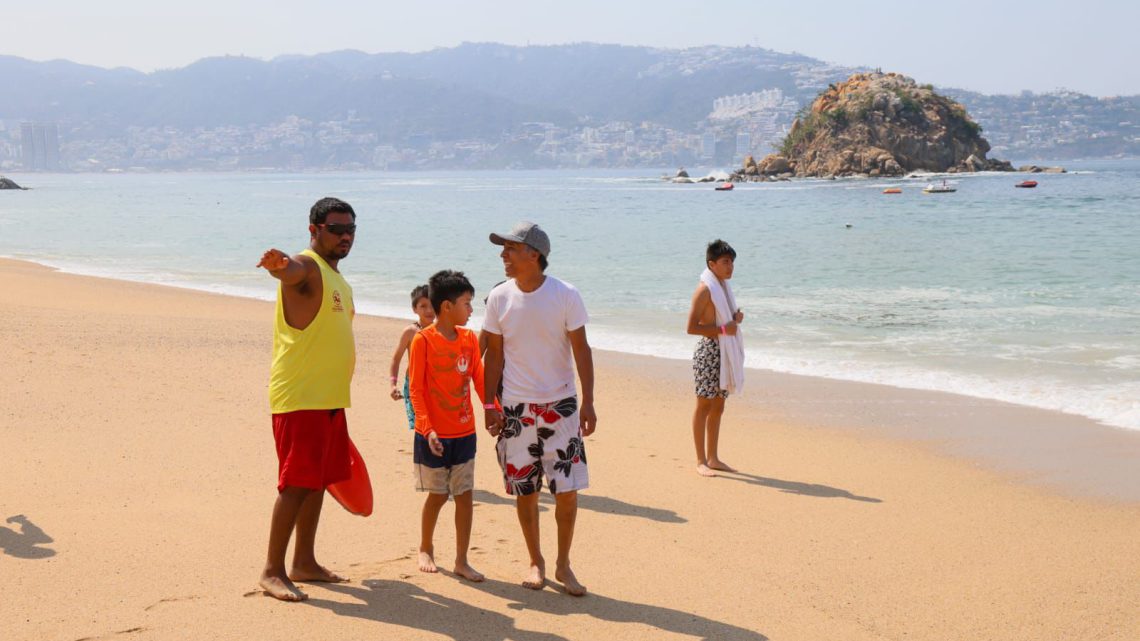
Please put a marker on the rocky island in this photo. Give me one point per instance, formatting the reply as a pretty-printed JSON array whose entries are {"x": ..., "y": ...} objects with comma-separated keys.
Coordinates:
[
  {"x": 6, "y": 183},
  {"x": 877, "y": 124}
]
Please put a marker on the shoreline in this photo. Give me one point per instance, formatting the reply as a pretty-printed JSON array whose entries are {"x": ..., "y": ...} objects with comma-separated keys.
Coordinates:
[
  {"x": 383, "y": 311},
  {"x": 140, "y": 466},
  {"x": 1063, "y": 452},
  {"x": 1058, "y": 452}
]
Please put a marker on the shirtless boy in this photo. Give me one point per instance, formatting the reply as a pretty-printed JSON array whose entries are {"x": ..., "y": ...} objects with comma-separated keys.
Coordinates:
[{"x": 707, "y": 372}]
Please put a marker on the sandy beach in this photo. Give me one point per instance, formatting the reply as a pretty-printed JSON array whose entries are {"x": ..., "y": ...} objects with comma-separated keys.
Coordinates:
[{"x": 139, "y": 475}]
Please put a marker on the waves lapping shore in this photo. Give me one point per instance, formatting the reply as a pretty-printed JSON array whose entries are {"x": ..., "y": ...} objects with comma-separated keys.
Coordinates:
[{"x": 991, "y": 292}]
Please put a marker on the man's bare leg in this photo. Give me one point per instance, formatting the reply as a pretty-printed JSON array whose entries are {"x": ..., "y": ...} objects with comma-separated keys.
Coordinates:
[
  {"x": 464, "y": 514},
  {"x": 305, "y": 566},
  {"x": 527, "y": 508},
  {"x": 565, "y": 514},
  {"x": 712, "y": 432},
  {"x": 700, "y": 417},
  {"x": 428, "y": 518},
  {"x": 274, "y": 579}
]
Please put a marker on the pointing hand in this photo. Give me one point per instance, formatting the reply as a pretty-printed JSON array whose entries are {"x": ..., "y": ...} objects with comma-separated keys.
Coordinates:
[{"x": 274, "y": 260}]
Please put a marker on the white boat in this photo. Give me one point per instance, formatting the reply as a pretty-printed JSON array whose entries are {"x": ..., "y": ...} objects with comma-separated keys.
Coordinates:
[{"x": 944, "y": 188}]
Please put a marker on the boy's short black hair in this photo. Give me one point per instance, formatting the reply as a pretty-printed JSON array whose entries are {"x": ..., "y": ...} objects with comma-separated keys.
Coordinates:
[
  {"x": 421, "y": 291},
  {"x": 325, "y": 206},
  {"x": 718, "y": 248},
  {"x": 542, "y": 262},
  {"x": 447, "y": 285}
]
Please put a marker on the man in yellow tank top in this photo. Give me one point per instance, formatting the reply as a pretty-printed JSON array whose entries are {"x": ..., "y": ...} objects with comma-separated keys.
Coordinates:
[{"x": 313, "y": 360}]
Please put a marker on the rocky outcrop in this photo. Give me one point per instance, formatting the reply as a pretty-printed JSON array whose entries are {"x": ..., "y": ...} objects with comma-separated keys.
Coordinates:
[
  {"x": 5, "y": 183},
  {"x": 1034, "y": 169},
  {"x": 878, "y": 124}
]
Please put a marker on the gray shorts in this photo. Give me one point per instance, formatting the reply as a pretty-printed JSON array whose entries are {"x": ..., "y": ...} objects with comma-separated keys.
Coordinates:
[
  {"x": 453, "y": 480},
  {"x": 453, "y": 473}
]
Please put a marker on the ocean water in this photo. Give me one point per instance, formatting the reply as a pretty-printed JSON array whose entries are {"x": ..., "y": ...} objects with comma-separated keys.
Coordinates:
[{"x": 1024, "y": 295}]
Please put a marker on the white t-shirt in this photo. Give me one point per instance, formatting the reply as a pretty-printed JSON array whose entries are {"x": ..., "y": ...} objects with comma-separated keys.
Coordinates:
[{"x": 539, "y": 363}]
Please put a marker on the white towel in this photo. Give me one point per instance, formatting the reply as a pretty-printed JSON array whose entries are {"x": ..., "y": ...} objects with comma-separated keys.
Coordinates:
[{"x": 731, "y": 347}]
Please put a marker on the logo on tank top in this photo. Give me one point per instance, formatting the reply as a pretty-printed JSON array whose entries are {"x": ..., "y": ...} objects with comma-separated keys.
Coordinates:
[{"x": 337, "y": 305}]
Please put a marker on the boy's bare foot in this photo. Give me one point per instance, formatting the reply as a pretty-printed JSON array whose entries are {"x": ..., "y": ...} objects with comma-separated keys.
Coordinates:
[
  {"x": 466, "y": 571},
  {"x": 566, "y": 577},
  {"x": 427, "y": 562},
  {"x": 704, "y": 470},
  {"x": 315, "y": 574},
  {"x": 280, "y": 587},
  {"x": 536, "y": 579},
  {"x": 717, "y": 464}
]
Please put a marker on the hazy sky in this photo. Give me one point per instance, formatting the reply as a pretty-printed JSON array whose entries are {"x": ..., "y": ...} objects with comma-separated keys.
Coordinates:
[{"x": 992, "y": 46}]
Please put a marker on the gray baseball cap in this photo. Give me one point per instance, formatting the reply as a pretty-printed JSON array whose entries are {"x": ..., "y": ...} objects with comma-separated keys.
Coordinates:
[{"x": 528, "y": 234}]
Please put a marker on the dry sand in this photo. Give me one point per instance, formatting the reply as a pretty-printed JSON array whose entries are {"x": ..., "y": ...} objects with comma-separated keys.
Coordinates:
[{"x": 137, "y": 446}]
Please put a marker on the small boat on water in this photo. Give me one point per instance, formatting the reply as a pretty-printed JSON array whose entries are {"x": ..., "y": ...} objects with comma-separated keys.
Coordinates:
[
  {"x": 1027, "y": 184},
  {"x": 893, "y": 190},
  {"x": 725, "y": 187},
  {"x": 944, "y": 188}
]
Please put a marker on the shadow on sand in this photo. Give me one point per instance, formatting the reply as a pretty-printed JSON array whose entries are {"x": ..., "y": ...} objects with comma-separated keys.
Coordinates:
[
  {"x": 793, "y": 487},
  {"x": 405, "y": 604},
  {"x": 25, "y": 543},
  {"x": 592, "y": 502}
]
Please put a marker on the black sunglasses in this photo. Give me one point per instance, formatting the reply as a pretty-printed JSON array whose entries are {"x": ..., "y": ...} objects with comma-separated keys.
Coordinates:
[{"x": 339, "y": 229}]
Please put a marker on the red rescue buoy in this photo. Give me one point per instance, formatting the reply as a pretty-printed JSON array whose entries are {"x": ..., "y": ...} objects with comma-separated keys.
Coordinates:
[{"x": 354, "y": 493}]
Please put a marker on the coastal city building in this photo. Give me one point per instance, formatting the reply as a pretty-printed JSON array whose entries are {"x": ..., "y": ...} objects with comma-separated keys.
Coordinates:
[
  {"x": 39, "y": 146},
  {"x": 1056, "y": 125}
]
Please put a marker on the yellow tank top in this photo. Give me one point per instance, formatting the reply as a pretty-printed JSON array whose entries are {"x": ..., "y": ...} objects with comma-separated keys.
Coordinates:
[{"x": 312, "y": 367}]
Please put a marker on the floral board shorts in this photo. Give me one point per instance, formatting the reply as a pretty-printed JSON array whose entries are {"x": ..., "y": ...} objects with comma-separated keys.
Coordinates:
[
  {"x": 706, "y": 369},
  {"x": 542, "y": 439}
]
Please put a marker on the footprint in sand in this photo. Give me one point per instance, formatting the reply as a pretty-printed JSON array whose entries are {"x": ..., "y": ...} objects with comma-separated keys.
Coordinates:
[
  {"x": 171, "y": 600},
  {"x": 130, "y": 631}
]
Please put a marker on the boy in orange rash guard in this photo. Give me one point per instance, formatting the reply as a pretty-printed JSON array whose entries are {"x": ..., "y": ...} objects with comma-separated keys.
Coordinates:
[{"x": 443, "y": 360}]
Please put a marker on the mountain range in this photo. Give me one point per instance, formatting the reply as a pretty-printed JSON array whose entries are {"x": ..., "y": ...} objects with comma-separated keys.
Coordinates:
[{"x": 483, "y": 93}]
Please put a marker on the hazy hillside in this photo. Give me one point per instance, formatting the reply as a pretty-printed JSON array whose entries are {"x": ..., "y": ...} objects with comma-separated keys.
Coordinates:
[
  {"x": 497, "y": 84},
  {"x": 476, "y": 105}
]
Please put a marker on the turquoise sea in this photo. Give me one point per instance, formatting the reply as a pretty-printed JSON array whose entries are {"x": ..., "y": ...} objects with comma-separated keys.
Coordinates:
[{"x": 1024, "y": 295}]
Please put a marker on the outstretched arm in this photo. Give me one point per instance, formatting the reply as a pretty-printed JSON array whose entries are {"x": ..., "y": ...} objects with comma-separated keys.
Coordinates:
[
  {"x": 287, "y": 269},
  {"x": 584, "y": 360}
]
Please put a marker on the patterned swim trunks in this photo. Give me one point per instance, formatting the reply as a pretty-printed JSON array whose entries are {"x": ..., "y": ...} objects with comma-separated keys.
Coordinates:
[
  {"x": 408, "y": 403},
  {"x": 542, "y": 439},
  {"x": 706, "y": 369}
]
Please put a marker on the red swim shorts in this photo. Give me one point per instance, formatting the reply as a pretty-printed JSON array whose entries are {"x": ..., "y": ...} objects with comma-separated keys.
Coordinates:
[{"x": 312, "y": 448}]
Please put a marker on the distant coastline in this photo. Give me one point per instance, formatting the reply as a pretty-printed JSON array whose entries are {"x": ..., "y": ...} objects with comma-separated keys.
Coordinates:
[{"x": 445, "y": 110}]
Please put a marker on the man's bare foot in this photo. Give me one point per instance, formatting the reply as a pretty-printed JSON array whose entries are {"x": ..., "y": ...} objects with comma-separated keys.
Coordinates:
[
  {"x": 427, "y": 562},
  {"x": 704, "y": 470},
  {"x": 280, "y": 587},
  {"x": 536, "y": 579},
  {"x": 566, "y": 577},
  {"x": 466, "y": 571},
  {"x": 717, "y": 464},
  {"x": 315, "y": 573}
]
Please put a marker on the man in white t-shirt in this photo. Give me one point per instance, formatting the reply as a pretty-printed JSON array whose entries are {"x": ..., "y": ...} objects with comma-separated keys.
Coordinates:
[{"x": 536, "y": 335}]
